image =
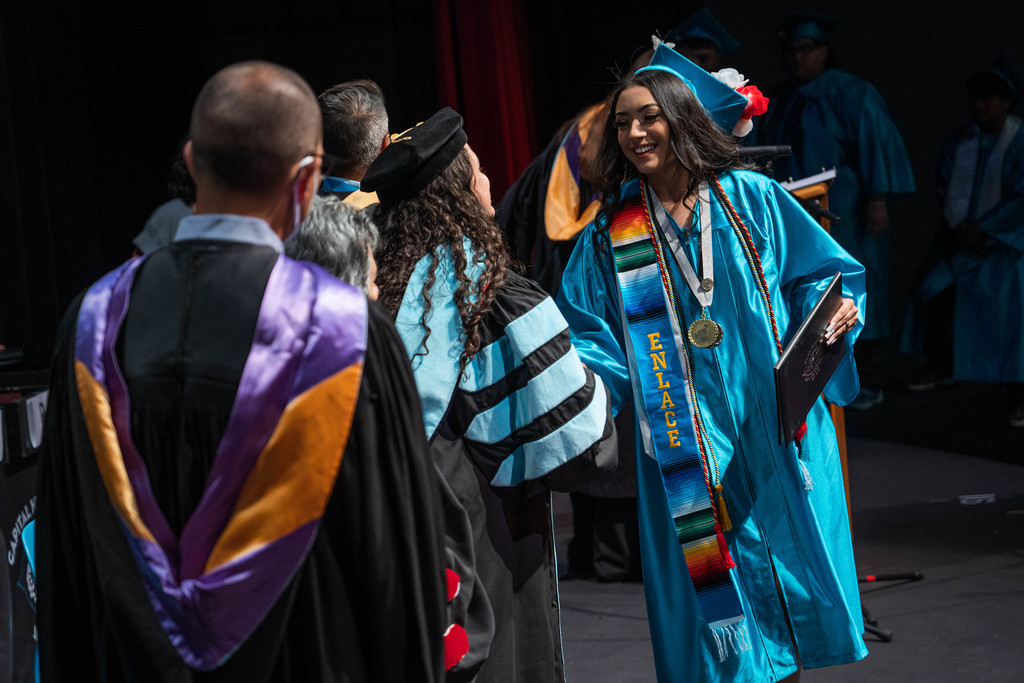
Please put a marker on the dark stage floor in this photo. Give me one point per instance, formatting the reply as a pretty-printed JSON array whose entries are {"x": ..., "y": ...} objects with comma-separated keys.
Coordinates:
[{"x": 936, "y": 486}]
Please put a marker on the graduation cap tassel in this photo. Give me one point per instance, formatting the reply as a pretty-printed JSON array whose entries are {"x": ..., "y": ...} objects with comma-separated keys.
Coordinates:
[
  {"x": 806, "y": 473},
  {"x": 723, "y": 548},
  {"x": 808, "y": 481},
  {"x": 723, "y": 513}
]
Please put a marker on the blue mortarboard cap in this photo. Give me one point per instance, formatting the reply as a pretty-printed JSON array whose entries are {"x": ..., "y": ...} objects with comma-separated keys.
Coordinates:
[
  {"x": 704, "y": 26},
  {"x": 724, "y": 104},
  {"x": 807, "y": 25}
]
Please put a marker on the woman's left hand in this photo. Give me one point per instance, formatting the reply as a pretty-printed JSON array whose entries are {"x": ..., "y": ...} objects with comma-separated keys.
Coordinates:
[{"x": 842, "y": 322}]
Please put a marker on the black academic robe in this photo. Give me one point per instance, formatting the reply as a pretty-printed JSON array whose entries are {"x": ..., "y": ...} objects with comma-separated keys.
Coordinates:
[
  {"x": 524, "y": 419},
  {"x": 367, "y": 603}
]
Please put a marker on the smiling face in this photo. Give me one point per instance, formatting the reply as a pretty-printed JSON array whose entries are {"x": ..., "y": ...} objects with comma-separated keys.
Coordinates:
[{"x": 643, "y": 133}]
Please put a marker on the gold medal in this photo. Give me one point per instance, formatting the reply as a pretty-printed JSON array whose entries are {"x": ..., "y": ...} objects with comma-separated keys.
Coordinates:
[{"x": 705, "y": 333}]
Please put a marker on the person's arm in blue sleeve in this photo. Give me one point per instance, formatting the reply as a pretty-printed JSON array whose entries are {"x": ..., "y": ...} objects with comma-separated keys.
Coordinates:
[
  {"x": 588, "y": 299},
  {"x": 808, "y": 257}
]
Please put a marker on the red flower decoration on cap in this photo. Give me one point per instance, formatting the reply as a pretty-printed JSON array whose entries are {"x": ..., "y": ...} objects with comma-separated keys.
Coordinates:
[{"x": 757, "y": 103}]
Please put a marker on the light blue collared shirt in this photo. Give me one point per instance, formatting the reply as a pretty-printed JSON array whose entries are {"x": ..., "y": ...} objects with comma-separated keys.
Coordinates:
[
  {"x": 230, "y": 228},
  {"x": 335, "y": 184}
]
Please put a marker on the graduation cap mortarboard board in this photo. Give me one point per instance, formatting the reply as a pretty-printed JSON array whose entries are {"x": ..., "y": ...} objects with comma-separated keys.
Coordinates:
[
  {"x": 415, "y": 157},
  {"x": 724, "y": 104},
  {"x": 807, "y": 26},
  {"x": 703, "y": 25}
]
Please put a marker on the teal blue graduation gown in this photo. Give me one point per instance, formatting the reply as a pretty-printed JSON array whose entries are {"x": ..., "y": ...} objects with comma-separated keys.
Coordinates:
[
  {"x": 802, "y": 535},
  {"x": 840, "y": 121},
  {"x": 988, "y": 338}
]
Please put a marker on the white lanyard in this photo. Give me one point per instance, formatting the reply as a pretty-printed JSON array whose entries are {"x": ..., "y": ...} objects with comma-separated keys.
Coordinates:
[{"x": 702, "y": 288}]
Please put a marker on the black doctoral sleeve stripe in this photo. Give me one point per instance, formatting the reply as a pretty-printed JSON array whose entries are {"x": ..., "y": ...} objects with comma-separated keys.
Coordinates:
[
  {"x": 466, "y": 405},
  {"x": 546, "y": 424},
  {"x": 602, "y": 457}
]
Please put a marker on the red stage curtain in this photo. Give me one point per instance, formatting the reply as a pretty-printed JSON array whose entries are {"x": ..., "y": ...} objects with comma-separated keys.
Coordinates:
[{"x": 483, "y": 72}]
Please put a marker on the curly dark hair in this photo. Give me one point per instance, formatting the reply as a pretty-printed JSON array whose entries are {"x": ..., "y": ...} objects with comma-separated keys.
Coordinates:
[
  {"x": 441, "y": 214},
  {"x": 697, "y": 141}
]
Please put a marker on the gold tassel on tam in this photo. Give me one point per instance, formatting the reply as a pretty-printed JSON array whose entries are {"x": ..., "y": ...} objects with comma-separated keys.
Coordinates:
[{"x": 723, "y": 513}]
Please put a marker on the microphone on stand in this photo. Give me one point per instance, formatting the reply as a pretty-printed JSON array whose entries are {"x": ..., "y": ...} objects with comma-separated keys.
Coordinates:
[{"x": 767, "y": 151}]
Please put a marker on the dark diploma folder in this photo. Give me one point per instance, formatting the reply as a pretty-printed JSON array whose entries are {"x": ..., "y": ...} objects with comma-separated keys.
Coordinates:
[{"x": 807, "y": 364}]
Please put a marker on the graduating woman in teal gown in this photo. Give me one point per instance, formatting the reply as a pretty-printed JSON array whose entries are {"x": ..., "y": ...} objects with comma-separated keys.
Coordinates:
[{"x": 747, "y": 558}]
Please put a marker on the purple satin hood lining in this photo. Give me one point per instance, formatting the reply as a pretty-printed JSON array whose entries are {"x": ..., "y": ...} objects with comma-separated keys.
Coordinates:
[
  {"x": 99, "y": 324},
  {"x": 235, "y": 598},
  {"x": 572, "y": 151},
  {"x": 295, "y": 347},
  {"x": 310, "y": 327}
]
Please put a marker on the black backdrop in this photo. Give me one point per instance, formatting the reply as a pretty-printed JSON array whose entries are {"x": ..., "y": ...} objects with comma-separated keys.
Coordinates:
[{"x": 95, "y": 96}]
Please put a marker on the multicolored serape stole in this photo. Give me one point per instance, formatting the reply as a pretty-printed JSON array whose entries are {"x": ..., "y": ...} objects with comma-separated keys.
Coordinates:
[
  {"x": 274, "y": 469},
  {"x": 652, "y": 317}
]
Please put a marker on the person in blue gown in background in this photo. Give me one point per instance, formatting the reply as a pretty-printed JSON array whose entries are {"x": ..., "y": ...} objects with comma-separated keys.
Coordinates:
[
  {"x": 747, "y": 557},
  {"x": 966, "y": 312},
  {"x": 703, "y": 40},
  {"x": 833, "y": 119}
]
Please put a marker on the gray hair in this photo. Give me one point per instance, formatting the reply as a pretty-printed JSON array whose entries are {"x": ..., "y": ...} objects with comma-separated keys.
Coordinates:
[
  {"x": 337, "y": 237},
  {"x": 355, "y": 121}
]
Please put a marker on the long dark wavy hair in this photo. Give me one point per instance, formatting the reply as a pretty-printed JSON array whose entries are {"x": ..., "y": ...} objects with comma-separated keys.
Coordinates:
[
  {"x": 441, "y": 214},
  {"x": 696, "y": 140}
]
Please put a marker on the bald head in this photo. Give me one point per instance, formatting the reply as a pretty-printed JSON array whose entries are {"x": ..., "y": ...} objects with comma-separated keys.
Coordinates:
[{"x": 251, "y": 122}]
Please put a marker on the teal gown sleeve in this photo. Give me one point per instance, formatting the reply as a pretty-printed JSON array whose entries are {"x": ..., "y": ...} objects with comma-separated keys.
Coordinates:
[
  {"x": 589, "y": 301},
  {"x": 808, "y": 257}
]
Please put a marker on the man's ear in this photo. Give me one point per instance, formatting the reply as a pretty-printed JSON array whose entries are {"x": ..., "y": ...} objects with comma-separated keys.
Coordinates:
[
  {"x": 186, "y": 153},
  {"x": 308, "y": 178}
]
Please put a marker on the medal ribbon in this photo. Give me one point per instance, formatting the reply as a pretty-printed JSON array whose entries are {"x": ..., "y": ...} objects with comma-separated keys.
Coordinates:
[
  {"x": 648, "y": 298},
  {"x": 703, "y": 294}
]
